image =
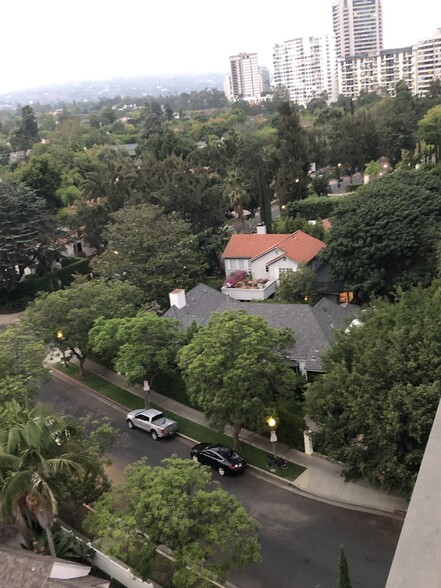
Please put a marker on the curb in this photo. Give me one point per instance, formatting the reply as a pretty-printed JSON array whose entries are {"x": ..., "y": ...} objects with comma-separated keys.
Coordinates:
[{"x": 258, "y": 472}]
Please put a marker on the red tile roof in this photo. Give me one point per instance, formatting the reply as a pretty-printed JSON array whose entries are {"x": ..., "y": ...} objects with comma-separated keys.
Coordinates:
[
  {"x": 248, "y": 246},
  {"x": 299, "y": 246}
]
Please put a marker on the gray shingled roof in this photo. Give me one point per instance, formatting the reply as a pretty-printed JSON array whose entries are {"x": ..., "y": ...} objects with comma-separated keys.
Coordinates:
[
  {"x": 314, "y": 327},
  {"x": 24, "y": 569}
]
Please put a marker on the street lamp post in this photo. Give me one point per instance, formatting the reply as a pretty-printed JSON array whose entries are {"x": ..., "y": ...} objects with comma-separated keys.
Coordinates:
[
  {"x": 273, "y": 436},
  {"x": 60, "y": 338}
]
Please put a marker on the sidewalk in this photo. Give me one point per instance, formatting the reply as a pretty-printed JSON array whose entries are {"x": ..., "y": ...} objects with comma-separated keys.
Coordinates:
[{"x": 322, "y": 479}]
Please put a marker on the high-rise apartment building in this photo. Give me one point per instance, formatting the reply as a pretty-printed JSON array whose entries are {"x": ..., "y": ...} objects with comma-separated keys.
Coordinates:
[
  {"x": 427, "y": 58},
  {"x": 245, "y": 79},
  {"x": 378, "y": 71},
  {"x": 358, "y": 27},
  {"x": 305, "y": 67},
  {"x": 358, "y": 32}
]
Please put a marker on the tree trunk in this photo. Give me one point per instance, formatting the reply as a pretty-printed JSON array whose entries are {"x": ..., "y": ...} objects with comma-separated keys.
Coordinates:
[
  {"x": 50, "y": 540},
  {"x": 236, "y": 440}
]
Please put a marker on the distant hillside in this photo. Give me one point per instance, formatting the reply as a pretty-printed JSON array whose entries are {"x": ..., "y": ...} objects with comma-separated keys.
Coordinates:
[{"x": 138, "y": 86}]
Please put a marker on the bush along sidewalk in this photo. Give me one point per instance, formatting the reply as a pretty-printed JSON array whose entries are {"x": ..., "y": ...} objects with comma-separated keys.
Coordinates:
[{"x": 253, "y": 455}]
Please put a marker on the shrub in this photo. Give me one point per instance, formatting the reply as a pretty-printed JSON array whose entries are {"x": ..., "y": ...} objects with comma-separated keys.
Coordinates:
[
  {"x": 290, "y": 429},
  {"x": 313, "y": 207},
  {"x": 234, "y": 278}
]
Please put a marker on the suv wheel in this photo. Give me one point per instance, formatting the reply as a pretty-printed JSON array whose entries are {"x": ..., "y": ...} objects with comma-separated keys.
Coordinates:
[
  {"x": 154, "y": 435},
  {"x": 130, "y": 424},
  {"x": 221, "y": 471},
  {"x": 194, "y": 458}
]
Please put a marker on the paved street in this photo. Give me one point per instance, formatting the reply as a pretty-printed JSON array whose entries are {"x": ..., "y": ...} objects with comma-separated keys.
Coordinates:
[{"x": 300, "y": 537}]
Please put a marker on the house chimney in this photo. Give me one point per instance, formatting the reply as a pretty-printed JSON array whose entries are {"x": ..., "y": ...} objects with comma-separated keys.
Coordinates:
[
  {"x": 177, "y": 298},
  {"x": 261, "y": 229}
]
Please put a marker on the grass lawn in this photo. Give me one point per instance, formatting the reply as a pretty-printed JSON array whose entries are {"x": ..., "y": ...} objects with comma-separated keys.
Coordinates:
[{"x": 253, "y": 455}]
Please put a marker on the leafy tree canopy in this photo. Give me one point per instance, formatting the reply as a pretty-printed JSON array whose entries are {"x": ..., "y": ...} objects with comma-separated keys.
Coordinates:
[
  {"x": 430, "y": 128},
  {"x": 387, "y": 233},
  {"x": 376, "y": 404},
  {"x": 235, "y": 368},
  {"x": 42, "y": 173},
  {"x": 299, "y": 286},
  {"x": 178, "y": 505},
  {"x": 151, "y": 250},
  {"x": 139, "y": 346},
  {"x": 65, "y": 317},
  {"x": 21, "y": 364}
]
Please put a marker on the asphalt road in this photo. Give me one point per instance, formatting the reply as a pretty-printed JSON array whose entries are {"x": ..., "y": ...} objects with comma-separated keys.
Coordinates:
[{"x": 300, "y": 537}]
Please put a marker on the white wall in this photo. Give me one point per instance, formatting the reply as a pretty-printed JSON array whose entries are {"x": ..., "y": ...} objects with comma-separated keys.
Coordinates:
[{"x": 258, "y": 266}]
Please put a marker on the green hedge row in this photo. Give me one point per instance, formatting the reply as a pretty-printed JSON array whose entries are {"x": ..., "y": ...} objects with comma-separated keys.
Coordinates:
[
  {"x": 28, "y": 288},
  {"x": 314, "y": 207},
  {"x": 290, "y": 429}
]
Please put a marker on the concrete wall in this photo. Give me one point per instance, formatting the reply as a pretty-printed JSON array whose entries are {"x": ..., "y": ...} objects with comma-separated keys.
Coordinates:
[
  {"x": 417, "y": 561},
  {"x": 251, "y": 293},
  {"x": 114, "y": 568}
]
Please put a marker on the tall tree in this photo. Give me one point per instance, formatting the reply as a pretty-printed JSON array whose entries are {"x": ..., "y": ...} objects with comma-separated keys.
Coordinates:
[
  {"x": 36, "y": 449},
  {"x": 343, "y": 570},
  {"x": 353, "y": 141},
  {"x": 64, "y": 318},
  {"x": 138, "y": 346},
  {"x": 294, "y": 159},
  {"x": 235, "y": 189},
  {"x": 397, "y": 124},
  {"x": 24, "y": 225},
  {"x": 235, "y": 368},
  {"x": 176, "y": 504},
  {"x": 43, "y": 174},
  {"x": 26, "y": 133},
  {"x": 387, "y": 234},
  {"x": 376, "y": 405},
  {"x": 152, "y": 250}
]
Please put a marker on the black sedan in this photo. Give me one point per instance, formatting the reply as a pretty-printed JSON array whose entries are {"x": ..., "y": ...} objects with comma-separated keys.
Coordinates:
[{"x": 218, "y": 456}]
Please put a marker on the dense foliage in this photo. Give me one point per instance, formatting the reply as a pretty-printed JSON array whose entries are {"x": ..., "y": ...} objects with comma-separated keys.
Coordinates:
[
  {"x": 64, "y": 318},
  {"x": 176, "y": 504},
  {"x": 235, "y": 369},
  {"x": 39, "y": 453},
  {"x": 386, "y": 235},
  {"x": 139, "y": 347},
  {"x": 24, "y": 230},
  {"x": 21, "y": 364},
  {"x": 375, "y": 405},
  {"x": 151, "y": 250}
]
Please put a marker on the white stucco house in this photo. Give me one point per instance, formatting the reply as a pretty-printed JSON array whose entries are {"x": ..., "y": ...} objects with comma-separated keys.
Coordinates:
[{"x": 264, "y": 257}]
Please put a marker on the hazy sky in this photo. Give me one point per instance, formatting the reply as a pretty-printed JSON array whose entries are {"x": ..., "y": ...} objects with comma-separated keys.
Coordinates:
[{"x": 51, "y": 41}]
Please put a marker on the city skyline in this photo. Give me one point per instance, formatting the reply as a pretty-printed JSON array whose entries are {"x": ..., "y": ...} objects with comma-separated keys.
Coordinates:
[{"x": 42, "y": 44}]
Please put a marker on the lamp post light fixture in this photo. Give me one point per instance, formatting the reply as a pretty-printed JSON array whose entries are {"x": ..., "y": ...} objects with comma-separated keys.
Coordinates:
[{"x": 273, "y": 436}]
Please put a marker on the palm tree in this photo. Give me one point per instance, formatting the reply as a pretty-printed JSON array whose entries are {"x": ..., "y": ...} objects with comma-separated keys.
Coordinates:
[
  {"x": 37, "y": 449},
  {"x": 235, "y": 189}
]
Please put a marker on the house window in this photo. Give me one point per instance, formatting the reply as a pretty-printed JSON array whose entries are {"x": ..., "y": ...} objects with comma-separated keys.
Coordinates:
[
  {"x": 234, "y": 265},
  {"x": 284, "y": 270}
]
